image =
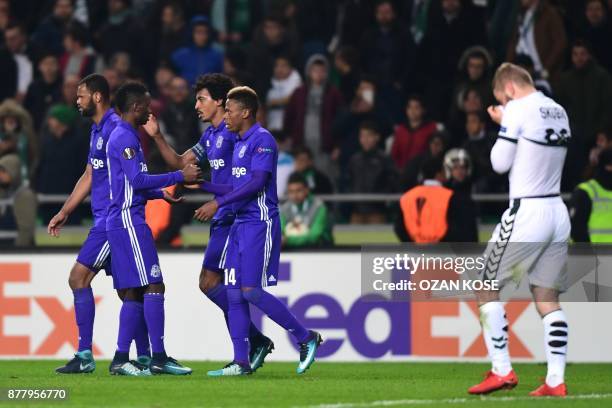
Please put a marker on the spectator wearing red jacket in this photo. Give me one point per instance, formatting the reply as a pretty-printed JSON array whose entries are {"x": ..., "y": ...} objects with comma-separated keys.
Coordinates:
[{"x": 411, "y": 138}]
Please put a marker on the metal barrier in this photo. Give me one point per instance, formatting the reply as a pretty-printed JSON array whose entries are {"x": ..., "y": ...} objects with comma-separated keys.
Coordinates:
[{"x": 334, "y": 198}]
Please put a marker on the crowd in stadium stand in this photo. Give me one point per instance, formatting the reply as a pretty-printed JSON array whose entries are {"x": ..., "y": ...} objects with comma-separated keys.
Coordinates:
[{"x": 360, "y": 94}]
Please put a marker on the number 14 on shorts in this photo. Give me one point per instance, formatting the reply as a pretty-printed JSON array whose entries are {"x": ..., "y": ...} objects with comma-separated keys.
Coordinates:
[{"x": 230, "y": 276}]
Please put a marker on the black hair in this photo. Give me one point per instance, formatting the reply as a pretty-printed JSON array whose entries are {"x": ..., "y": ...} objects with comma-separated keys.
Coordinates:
[
  {"x": 349, "y": 54},
  {"x": 245, "y": 96},
  {"x": 415, "y": 97},
  {"x": 18, "y": 25},
  {"x": 77, "y": 32},
  {"x": 296, "y": 177},
  {"x": 97, "y": 83},
  {"x": 371, "y": 126},
  {"x": 217, "y": 85},
  {"x": 432, "y": 167},
  {"x": 302, "y": 150},
  {"x": 128, "y": 94},
  {"x": 582, "y": 43}
]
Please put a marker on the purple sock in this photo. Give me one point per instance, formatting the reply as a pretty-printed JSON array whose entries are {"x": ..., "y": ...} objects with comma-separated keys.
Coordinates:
[
  {"x": 239, "y": 317},
  {"x": 154, "y": 315},
  {"x": 218, "y": 295},
  {"x": 128, "y": 324},
  {"x": 142, "y": 335},
  {"x": 85, "y": 312},
  {"x": 278, "y": 312}
]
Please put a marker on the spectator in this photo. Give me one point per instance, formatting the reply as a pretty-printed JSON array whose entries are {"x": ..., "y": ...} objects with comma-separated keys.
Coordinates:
[
  {"x": 316, "y": 181},
  {"x": 304, "y": 218},
  {"x": 79, "y": 59},
  {"x": 17, "y": 137},
  {"x": 602, "y": 142},
  {"x": 22, "y": 214},
  {"x": 478, "y": 145},
  {"x": 199, "y": 57},
  {"x": 539, "y": 83},
  {"x": 597, "y": 31},
  {"x": 452, "y": 29},
  {"x": 235, "y": 20},
  {"x": 474, "y": 73},
  {"x": 163, "y": 85},
  {"x": 311, "y": 112},
  {"x": 114, "y": 80},
  {"x": 432, "y": 213},
  {"x": 346, "y": 63},
  {"x": 416, "y": 16},
  {"x": 271, "y": 39},
  {"x": 590, "y": 205},
  {"x": 122, "y": 31},
  {"x": 539, "y": 33},
  {"x": 44, "y": 91},
  {"x": 367, "y": 105},
  {"x": 370, "y": 171},
  {"x": 285, "y": 165},
  {"x": 387, "y": 50},
  {"x": 472, "y": 103},
  {"x": 49, "y": 34},
  {"x": 234, "y": 66},
  {"x": 285, "y": 81},
  {"x": 315, "y": 20},
  {"x": 411, "y": 138},
  {"x": 63, "y": 156},
  {"x": 8, "y": 75},
  {"x": 16, "y": 41},
  {"x": 458, "y": 172},
  {"x": 174, "y": 32},
  {"x": 179, "y": 117},
  {"x": 411, "y": 175},
  {"x": 584, "y": 91}
]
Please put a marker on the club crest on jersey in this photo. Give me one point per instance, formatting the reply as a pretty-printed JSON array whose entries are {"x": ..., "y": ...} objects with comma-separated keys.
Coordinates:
[
  {"x": 129, "y": 153},
  {"x": 219, "y": 142},
  {"x": 100, "y": 143},
  {"x": 241, "y": 152},
  {"x": 155, "y": 271}
]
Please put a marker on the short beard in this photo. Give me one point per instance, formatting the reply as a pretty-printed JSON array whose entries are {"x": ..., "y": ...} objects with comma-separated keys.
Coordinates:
[{"x": 88, "y": 111}]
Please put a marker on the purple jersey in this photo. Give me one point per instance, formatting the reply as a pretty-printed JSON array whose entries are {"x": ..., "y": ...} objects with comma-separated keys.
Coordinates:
[
  {"x": 97, "y": 159},
  {"x": 217, "y": 145},
  {"x": 256, "y": 150},
  {"x": 130, "y": 183}
]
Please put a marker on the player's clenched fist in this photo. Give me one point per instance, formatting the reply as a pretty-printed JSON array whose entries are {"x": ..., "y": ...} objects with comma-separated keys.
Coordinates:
[
  {"x": 192, "y": 174},
  {"x": 206, "y": 212},
  {"x": 496, "y": 113}
]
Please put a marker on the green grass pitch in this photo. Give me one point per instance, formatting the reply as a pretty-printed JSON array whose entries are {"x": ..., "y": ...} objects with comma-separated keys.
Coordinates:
[{"x": 330, "y": 385}]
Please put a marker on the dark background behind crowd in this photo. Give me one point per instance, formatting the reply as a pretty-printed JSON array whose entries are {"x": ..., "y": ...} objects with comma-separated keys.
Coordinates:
[{"x": 358, "y": 93}]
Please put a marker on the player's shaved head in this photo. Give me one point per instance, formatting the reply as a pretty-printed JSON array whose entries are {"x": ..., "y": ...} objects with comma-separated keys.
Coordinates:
[
  {"x": 246, "y": 97},
  {"x": 130, "y": 94},
  {"x": 508, "y": 72}
]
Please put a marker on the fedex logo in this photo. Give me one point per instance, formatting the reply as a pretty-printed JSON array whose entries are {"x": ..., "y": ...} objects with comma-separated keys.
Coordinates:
[
  {"x": 63, "y": 330},
  {"x": 216, "y": 163},
  {"x": 96, "y": 163},
  {"x": 239, "y": 171}
]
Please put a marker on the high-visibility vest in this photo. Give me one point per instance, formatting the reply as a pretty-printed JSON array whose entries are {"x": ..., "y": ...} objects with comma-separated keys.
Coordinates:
[
  {"x": 425, "y": 210},
  {"x": 600, "y": 221}
]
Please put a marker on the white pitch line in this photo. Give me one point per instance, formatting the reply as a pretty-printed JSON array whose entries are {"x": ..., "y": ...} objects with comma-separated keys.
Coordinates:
[{"x": 390, "y": 403}]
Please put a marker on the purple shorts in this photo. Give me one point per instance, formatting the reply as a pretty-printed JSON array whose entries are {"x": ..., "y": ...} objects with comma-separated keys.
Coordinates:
[
  {"x": 216, "y": 249},
  {"x": 134, "y": 262},
  {"x": 95, "y": 252},
  {"x": 253, "y": 254}
]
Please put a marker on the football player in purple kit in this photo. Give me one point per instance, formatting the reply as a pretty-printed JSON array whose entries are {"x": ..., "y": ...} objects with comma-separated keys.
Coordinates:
[
  {"x": 93, "y": 100},
  {"x": 253, "y": 250},
  {"x": 134, "y": 262},
  {"x": 216, "y": 145}
]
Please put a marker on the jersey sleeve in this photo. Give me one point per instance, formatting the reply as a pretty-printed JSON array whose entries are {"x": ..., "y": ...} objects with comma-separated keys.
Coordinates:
[
  {"x": 510, "y": 125},
  {"x": 199, "y": 149},
  {"x": 264, "y": 153},
  {"x": 126, "y": 149}
]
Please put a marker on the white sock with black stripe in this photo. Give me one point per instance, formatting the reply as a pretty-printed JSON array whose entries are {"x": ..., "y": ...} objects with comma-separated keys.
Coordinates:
[
  {"x": 555, "y": 343},
  {"x": 495, "y": 333}
]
